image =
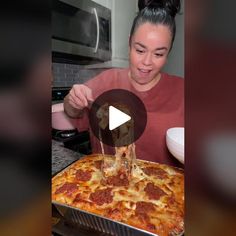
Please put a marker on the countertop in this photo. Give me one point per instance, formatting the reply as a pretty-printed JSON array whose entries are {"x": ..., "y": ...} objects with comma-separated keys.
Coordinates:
[{"x": 62, "y": 157}]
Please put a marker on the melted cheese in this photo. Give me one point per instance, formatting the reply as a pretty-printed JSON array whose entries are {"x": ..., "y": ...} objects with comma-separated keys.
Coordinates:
[{"x": 125, "y": 198}]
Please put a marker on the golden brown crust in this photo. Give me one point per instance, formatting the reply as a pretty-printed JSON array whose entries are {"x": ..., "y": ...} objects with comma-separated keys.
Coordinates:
[{"x": 153, "y": 199}]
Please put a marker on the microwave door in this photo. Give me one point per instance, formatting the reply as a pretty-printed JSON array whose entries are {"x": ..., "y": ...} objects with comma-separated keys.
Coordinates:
[{"x": 78, "y": 31}]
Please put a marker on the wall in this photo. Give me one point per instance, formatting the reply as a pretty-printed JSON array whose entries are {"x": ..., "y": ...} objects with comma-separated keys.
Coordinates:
[
  {"x": 175, "y": 64},
  {"x": 65, "y": 75}
]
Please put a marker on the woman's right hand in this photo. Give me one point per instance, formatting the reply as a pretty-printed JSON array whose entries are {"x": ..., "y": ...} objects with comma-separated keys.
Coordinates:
[
  {"x": 80, "y": 96},
  {"x": 77, "y": 99}
]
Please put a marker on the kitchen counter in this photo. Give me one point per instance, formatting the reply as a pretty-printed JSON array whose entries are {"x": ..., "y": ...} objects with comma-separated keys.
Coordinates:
[{"x": 62, "y": 157}]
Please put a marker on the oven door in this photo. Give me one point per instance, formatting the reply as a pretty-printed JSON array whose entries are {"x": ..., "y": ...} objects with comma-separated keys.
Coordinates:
[{"x": 82, "y": 28}]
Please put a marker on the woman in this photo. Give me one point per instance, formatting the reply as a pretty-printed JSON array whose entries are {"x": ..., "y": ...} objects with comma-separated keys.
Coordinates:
[{"x": 151, "y": 38}]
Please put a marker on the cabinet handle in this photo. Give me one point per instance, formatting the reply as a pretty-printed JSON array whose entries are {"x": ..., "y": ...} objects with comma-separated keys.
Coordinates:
[{"x": 98, "y": 30}]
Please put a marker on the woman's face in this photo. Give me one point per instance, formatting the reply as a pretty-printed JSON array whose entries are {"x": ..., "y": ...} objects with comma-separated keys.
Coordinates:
[{"x": 149, "y": 48}]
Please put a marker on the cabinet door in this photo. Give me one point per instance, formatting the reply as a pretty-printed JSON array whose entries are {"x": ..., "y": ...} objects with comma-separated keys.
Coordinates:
[
  {"x": 105, "y": 3},
  {"x": 123, "y": 13}
]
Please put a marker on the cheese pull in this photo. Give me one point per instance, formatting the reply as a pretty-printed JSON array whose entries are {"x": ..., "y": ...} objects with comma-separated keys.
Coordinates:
[{"x": 121, "y": 165}]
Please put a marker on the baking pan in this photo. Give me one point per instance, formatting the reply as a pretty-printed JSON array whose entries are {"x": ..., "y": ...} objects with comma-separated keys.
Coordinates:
[
  {"x": 92, "y": 221},
  {"x": 99, "y": 223}
]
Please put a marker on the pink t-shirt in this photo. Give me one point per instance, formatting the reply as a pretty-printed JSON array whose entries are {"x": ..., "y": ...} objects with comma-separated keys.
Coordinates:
[{"x": 165, "y": 109}]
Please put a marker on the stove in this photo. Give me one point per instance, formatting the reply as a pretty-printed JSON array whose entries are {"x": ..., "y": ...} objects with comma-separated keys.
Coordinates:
[
  {"x": 72, "y": 139},
  {"x": 58, "y": 93}
]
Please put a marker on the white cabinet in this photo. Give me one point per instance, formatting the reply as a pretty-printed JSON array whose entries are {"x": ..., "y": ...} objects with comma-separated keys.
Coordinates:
[
  {"x": 123, "y": 13},
  {"x": 175, "y": 63},
  {"x": 105, "y": 3}
]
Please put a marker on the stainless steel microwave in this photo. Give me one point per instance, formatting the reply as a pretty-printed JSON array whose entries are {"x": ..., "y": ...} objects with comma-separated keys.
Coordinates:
[{"x": 81, "y": 31}]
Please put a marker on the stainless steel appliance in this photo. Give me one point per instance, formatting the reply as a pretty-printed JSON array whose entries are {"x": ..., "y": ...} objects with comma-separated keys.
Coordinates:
[{"x": 81, "y": 31}]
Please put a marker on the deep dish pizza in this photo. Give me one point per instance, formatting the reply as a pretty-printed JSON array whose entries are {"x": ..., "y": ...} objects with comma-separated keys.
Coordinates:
[{"x": 151, "y": 198}]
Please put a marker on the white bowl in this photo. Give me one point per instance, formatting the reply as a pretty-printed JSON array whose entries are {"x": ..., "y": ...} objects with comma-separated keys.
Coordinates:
[{"x": 175, "y": 142}]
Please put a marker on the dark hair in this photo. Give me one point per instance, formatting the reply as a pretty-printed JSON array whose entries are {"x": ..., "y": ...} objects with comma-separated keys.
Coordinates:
[{"x": 157, "y": 12}]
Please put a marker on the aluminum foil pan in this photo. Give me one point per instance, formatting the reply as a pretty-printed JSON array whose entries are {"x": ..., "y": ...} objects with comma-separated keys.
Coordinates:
[{"x": 99, "y": 223}]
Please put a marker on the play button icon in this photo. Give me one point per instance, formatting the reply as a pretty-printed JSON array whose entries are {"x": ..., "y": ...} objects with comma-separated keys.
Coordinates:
[{"x": 117, "y": 118}]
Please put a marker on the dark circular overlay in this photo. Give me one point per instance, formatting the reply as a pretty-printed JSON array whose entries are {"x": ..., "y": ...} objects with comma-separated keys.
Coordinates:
[{"x": 126, "y": 102}]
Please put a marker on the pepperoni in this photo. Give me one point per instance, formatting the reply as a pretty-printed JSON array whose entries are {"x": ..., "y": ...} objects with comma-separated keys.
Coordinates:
[
  {"x": 153, "y": 191},
  {"x": 144, "y": 207},
  {"x": 98, "y": 164},
  {"x": 67, "y": 187},
  {"x": 101, "y": 196},
  {"x": 118, "y": 180},
  {"x": 155, "y": 171},
  {"x": 83, "y": 175}
]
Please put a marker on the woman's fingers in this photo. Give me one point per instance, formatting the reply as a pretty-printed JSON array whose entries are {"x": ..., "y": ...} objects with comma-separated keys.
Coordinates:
[
  {"x": 89, "y": 94},
  {"x": 79, "y": 96},
  {"x": 73, "y": 104}
]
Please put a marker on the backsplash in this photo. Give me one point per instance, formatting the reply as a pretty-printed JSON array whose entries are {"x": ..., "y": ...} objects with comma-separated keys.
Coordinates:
[{"x": 65, "y": 75}]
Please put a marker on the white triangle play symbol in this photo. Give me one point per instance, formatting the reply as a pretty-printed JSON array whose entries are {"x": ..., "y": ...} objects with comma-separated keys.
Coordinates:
[{"x": 117, "y": 118}]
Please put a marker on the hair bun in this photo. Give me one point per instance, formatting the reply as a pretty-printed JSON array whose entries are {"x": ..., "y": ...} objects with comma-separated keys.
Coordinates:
[
  {"x": 171, "y": 6},
  {"x": 142, "y": 4}
]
